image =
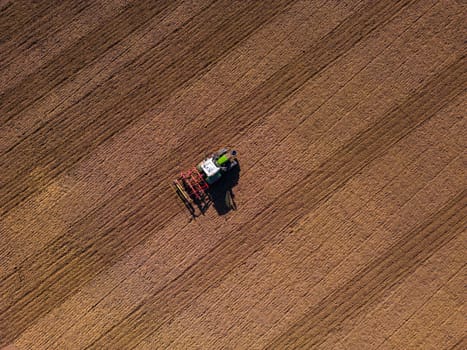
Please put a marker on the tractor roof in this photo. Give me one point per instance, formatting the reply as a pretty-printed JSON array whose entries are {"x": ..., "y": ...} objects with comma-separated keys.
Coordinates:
[{"x": 209, "y": 167}]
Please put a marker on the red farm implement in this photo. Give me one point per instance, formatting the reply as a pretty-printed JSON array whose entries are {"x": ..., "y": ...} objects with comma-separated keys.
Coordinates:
[{"x": 192, "y": 189}]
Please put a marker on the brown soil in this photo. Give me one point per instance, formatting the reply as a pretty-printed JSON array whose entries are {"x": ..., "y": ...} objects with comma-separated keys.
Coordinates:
[{"x": 348, "y": 117}]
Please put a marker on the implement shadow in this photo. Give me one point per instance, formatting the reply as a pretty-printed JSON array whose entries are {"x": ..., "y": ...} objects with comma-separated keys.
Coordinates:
[{"x": 221, "y": 192}]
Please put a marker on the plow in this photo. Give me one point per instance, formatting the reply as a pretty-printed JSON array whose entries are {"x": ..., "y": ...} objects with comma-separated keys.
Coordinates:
[{"x": 194, "y": 185}]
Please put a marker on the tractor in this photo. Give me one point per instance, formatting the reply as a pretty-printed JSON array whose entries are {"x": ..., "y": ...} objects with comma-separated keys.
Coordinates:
[{"x": 193, "y": 186}]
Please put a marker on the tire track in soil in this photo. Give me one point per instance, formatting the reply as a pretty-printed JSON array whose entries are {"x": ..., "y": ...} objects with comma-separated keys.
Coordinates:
[
  {"x": 46, "y": 25},
  {"x": 89, "y": 132},
  {"x": 46, "y": 47},
  {"x": 304, "y": 118},
  {"x": 59, "y": 247},
  {"x": 410, "y": 296},
  {"x": 86, "y": 50},
  {"x": 68, "y": 262},
  {"x": 143, "y": 184},
  {"x": 305, "y": 204},
  {"x": 382, "y": 273},
  {"x": 332, "y": 175},
  {"x": 431, "y": 308},
  {"x": 18, "y": 18},
  {"x": 210, "y": 313},
  {"x": 172, "y": 45},
  {"x": 342, "y": 268},
  {"x": 156, "y": 336},
  {"x": 184, "y": 40},
  {"x": 360, "y": 23},
  {"x": 69, "y": 95},
  {"x": 246, "y": 288},
  {"x": 63, "y": 244},
  {"x": 460, "y": 345},
  {"x": 163, "y": 195},
  {"x": 101, "y": 201}
]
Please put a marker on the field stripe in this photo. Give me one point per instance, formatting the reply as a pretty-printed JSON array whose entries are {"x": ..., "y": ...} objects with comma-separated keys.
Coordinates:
[
  {"x": 59, "y": 261},
  {"x": 87, "y": 133},
  {"x": 380, "y": 274},
  {"x": 91, "y": 253},
  {"x": 63, "y": 244},
  {"x": 57, "y": 16},
  {"x": 86, "y": 50},
  {"x": 460, "y": 345},
  {"x": 212, "y": 268},
  {"x": 18, "y": 18}
]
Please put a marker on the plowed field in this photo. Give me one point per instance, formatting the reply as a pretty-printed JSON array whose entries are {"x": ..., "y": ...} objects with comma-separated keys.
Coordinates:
[{"x": 349, "y": 121}]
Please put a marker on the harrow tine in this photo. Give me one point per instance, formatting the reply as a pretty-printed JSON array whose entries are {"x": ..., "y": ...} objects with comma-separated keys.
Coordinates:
[{"x": 184, "y": 197}]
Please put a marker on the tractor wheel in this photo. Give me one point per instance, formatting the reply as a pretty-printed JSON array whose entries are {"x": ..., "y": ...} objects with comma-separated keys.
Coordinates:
[{"x": 229, "y": 202}]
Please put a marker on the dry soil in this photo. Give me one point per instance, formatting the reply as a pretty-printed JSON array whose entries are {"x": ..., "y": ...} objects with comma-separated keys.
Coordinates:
[{"x": 349, "y": 121}]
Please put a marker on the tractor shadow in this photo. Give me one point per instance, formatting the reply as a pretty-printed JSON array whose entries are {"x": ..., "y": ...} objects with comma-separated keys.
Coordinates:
[{"x": 221, "y": 192}]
